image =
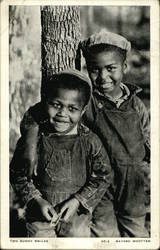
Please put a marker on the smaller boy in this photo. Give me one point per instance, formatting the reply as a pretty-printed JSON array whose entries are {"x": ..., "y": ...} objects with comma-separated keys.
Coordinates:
[{"x": 73, "y": 170}]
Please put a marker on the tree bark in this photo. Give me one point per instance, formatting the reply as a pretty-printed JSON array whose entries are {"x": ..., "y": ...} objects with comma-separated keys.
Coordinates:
[{"x": 60, "y": 38}]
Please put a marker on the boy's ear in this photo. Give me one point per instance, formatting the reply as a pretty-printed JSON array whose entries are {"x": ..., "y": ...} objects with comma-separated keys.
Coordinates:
[{"x": 125, "y": 67}]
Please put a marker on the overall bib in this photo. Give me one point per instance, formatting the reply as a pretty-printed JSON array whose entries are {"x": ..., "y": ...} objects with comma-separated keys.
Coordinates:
[
  {"x": 120, "y": 132},
  {"x": 61, "y": 173}
]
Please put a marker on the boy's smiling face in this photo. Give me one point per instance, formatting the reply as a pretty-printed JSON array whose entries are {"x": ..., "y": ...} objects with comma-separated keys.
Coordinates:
[
  {"x": 65, "y": 109},
  {"x": 106, "y": 71}
]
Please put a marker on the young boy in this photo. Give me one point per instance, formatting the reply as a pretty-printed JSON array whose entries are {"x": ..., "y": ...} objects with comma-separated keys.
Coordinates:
[
  {"x": 121, "y": 121},
  {"x": 73, "y": 168}
]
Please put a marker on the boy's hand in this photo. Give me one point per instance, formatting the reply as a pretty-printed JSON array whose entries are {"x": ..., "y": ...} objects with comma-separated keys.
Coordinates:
[
  {"x": 70, "y": 207},
  {"x": 30, "y": 161},
  {"x": 43, "y": 209},
  {"x": 30, "y": 151}
]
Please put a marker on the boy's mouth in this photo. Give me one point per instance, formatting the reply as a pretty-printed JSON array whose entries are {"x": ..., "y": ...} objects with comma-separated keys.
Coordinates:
[
  {"x": 60, "y": 125},
  {"x": 59, "y": 121},
  {"x": 105, "y": 86}
]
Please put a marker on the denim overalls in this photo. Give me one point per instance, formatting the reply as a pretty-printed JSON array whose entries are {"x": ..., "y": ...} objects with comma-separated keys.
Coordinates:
[
  {"x": 69, "y": 166},
  {"x": 120, "y": 131},
  {"x": 62, "y": 167}
]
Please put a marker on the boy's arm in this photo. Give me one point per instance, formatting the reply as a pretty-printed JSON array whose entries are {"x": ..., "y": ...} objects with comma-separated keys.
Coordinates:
[
  {"x": 18, "y": 175},
  {"x": 90, "y": 114},
  {"x": 32, "y": 118},
  {"x": 101, "y": 176},
  {"x": 36, "y": 206},
  {"x": 145, "y": 122},
  {"x": 29, "y": 129},
  {"x": 25, "y": 157}
]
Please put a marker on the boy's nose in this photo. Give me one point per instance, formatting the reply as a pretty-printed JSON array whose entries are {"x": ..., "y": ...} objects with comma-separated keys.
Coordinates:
[
  {"x": 104, "y": 74},
  {"x": 62, "y": 111}
]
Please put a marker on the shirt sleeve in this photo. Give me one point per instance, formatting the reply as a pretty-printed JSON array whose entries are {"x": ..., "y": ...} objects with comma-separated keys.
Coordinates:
[
  {"x": 145, "y": 120},
  {"x": 90, "y": 114},
  {"x": 32, "y": 118},
  {"x": 24, "y": 189},
  {"x": 29, "y": 128},
  {"x": 100, "y": 178}
]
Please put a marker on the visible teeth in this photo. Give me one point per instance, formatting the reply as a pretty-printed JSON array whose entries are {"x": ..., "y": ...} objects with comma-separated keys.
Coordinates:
[{"x": 61, "y": 121}]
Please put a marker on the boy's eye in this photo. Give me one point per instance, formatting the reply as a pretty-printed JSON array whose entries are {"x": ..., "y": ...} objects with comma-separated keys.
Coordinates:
[
  {"x": 54, "y": 105},
  {"x": 93, "y": 69},
  {"x": 72, "y": 109},
  {"x": 111, "y": 69}
]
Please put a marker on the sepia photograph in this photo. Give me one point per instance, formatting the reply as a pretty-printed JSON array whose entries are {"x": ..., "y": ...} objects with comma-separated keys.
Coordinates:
[{"x": 82, "y": 125}]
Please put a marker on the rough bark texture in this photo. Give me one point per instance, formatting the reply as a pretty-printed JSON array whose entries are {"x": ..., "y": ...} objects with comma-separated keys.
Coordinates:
[{"x": 60, "y": 38}]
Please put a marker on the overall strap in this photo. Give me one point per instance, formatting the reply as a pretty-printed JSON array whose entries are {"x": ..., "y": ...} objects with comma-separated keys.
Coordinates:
[{"x": 83, "y": 132}]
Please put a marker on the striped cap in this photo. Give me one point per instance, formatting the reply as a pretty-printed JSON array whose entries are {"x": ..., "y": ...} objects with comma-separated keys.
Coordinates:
[{"x": 105, "y": 37}]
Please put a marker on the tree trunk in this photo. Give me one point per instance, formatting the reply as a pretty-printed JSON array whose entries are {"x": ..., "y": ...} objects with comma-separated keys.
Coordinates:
[{"x": 60, "y": 39}]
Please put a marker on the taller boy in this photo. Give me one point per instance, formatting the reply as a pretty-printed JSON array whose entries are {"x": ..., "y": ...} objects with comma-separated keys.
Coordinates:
[{"x": 121, "y": 120}]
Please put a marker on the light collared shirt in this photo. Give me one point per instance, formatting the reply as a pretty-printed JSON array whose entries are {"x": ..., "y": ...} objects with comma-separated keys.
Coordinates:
[{"x": 118, "y": 100}]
